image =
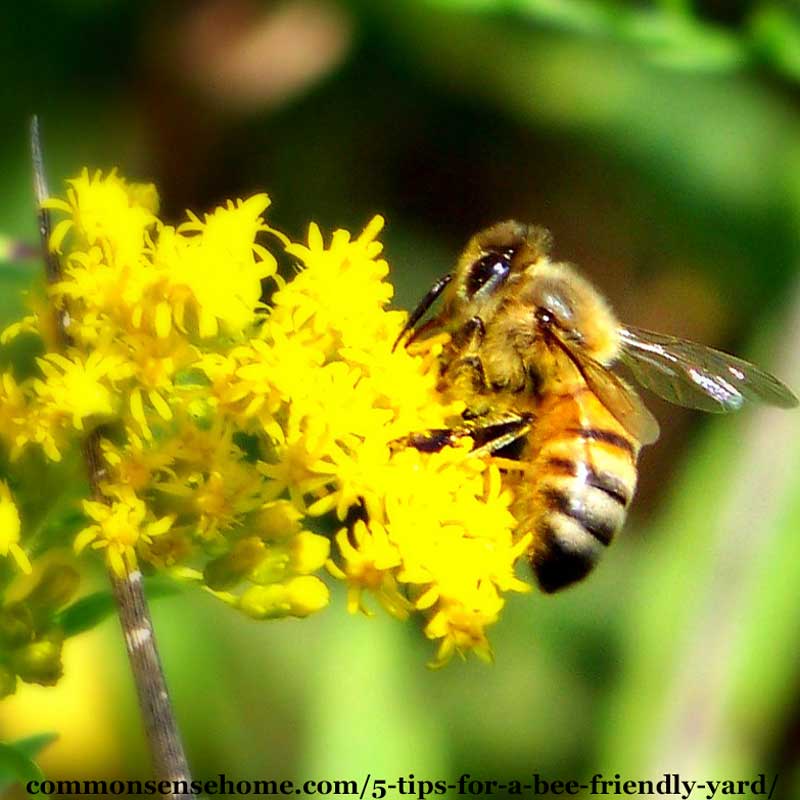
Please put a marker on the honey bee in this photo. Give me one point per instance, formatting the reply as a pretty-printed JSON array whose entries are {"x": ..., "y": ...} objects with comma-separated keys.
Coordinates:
[{"x": 530, "y": 352}]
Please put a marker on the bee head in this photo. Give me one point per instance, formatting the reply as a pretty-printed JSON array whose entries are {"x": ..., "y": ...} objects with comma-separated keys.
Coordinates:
[
  {"x": 494, "y": 255},
  {"x": 491, "y": 259},
  {"x": 567, "y": 305}
]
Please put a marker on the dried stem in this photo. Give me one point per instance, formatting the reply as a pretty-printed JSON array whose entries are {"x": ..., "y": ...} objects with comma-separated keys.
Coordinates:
[{"x": 161, "y": 729}]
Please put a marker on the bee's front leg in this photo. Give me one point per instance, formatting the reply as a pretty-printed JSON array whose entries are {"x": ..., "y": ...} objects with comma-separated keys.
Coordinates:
[
  {"x": 471, "y": 333},
  {"x": 462, "y": 368},
  {"x": 464, "y": 375}
]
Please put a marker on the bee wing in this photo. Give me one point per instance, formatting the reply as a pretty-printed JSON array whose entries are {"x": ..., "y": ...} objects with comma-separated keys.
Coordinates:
[
  {"x": 620, "y": 399},
  {"x": 696, "y": 376}
]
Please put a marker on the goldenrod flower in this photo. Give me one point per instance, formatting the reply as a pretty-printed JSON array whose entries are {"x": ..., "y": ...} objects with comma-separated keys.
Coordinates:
[
  {"x": 234, "y": 433},
  {"x": 120, "y": 528},
  {"x": 75, "y": 388},
  {"x": 191, "y": 257},
  {"x": 108, "y": 212},
  {"x": 10, "y": 528}
]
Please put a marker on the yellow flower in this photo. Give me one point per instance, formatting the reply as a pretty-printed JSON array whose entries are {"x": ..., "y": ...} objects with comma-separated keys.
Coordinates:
[
  {"x": 436, "y": 534},
  {"x": 106, "y": 211},
  {"x": 77, "y": 389},
  {"x": 460, "y": 625},
  {"x": 134, "y": 463},
  {"x": 120, "y": 528},
  {"x": 369, "y": 559},
  {"x": 192, "y": 256},
  {"x": 236, "y": 434},
  {"x": 10, "y": 527},
  {"x": 14, "y": 414}
]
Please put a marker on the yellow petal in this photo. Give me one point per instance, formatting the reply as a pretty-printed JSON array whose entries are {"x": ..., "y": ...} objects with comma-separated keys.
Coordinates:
[
  {"x": 58, "y": 234},
  {"x": 56, "y": 204},
  {"x": 85, "y": 536},
  {"x": 137, "y": 412},
  {"x": 117, "y": 563},
  {"x": 20, "y": 557},
  {"x": 160, "y": 405}
]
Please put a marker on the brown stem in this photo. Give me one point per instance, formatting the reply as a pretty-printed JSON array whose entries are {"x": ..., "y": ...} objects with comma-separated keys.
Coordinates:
[{"x": 161, "y": 729}]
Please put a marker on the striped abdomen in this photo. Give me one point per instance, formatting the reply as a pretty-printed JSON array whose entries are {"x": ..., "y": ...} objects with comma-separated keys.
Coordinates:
[{"x": 575, "y": 495}]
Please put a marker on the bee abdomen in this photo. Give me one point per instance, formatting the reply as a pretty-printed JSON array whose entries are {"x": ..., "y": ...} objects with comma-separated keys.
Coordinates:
[
  {"x": 609, "y": 484},
  {"x": 578, "y": 508},
  {"x": 591, "y": 512},
  {"x": 563, "y": 555}
]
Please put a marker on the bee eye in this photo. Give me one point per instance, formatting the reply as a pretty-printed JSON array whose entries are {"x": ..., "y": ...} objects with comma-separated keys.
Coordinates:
[{"x": 488, "y": 272}]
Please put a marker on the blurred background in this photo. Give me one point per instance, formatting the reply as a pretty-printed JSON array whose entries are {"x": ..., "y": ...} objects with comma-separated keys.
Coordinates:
[{"x": 660, "y": 143}]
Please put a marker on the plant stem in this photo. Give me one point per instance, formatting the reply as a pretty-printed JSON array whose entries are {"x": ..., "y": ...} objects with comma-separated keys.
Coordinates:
[{"x": 161, "y": 729}]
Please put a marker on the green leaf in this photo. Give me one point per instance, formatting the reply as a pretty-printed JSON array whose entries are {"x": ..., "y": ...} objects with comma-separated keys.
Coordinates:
[
  {"x": 482, "y": 6},
  {"x": 31, "y": 746},
  {"x": 16, "y": 760},
  {"x": 86, "y": 613},
  {"x": 91, "y": 610},
  {"x": 681, "y": 43},
  {"x": 776, "y": 36},
  {"x": 569, "y": 15}
]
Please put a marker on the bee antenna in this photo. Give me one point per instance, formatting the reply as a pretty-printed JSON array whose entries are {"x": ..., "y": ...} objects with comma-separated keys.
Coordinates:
[{"x": 424, "y": 304}]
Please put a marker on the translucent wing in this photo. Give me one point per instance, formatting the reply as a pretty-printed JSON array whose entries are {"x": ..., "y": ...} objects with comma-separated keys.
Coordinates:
[
  {"x": 696, "y": 376},
  {"x": 618, "y": 397}
]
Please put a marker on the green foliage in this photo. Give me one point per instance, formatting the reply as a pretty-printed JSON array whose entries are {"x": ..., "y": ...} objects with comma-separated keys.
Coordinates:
[
  {"x": 84, "y": 614},
  {"x": 17, "y": 763},
  {"x": 92, "y": 609},
  {"x": 668, "y": 33},
  {"x": 776, "y": 37}
]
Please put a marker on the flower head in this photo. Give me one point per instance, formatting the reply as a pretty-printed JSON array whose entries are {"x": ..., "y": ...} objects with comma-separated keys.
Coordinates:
[
  {"x": 106, "y": 212},
  {"x": 247, "y": 447},
  {"x": 120, "y": 526}
]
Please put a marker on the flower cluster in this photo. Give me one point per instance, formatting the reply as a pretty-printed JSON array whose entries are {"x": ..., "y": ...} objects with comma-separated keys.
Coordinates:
[{"x": 245, "y": 446}]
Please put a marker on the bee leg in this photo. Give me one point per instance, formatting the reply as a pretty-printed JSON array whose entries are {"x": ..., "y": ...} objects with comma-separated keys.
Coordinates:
[
  {"x": 463, "y": 367},
  {"x": 431, "y": 441},
  {"x": 489, "y": 434},
  {"x": 510, "y": 465},
  {"x": 471, "y": 333},
  {"x": 466, "y": 374},
  {"x": 500, "y": 434}
]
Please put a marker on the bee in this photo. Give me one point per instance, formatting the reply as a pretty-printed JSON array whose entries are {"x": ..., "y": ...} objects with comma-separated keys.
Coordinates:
[{"x": 531, "y": 350}]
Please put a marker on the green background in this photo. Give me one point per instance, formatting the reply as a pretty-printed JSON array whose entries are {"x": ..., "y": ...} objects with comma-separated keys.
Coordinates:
[{"x": 660, "y": 143}]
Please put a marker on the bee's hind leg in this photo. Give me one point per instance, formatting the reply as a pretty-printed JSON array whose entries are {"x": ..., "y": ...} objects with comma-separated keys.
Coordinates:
[{"x": 490, "y": 434}]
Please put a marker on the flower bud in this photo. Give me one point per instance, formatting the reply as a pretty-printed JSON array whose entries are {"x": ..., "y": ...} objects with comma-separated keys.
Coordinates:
[
  {"x": 307, "y": 594},
  {"x": 228, "y": 570},
  {"x": 298, "y": 597},
  {"x": 16, "y": 626},
  {"x": 278, "y": 520},
  {"x": 273, "y": 568},
  {"x": 39, "y": 662},
  {"x": 309, "y": 552}
]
